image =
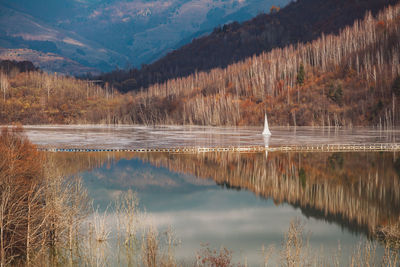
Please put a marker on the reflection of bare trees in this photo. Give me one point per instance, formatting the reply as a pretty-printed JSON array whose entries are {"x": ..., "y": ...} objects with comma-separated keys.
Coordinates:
[
  {"x": 74, "y": 163},
  {"x": 360, "y": 191}
]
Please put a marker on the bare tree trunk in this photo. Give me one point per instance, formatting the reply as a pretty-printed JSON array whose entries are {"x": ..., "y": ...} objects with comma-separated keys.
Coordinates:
[
  {"x": 2, "y": 249},
  {"x": 28, "y": 233},
  {"x": 4, "y": 85}
]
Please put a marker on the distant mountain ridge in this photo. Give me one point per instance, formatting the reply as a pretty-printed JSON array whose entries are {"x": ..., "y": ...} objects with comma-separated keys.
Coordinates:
[
  {"x": 19, "y": 30},
  {"x": 349, "y": 79},
  {"x": 300, "y": 21},
  {"x": 110, "y": 34},
  {"x": 48, "y": 62}
]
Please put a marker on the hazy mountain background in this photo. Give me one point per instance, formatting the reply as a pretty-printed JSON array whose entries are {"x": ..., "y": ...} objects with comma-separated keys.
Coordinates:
[{"x": 77, "y": 36}]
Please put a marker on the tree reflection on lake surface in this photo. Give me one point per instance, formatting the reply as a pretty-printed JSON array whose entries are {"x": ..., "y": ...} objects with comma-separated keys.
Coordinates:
[{"x": 244, "y": 201}]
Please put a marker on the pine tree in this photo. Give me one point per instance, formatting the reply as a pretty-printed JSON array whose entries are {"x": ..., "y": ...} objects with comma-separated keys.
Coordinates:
[
  {"x": 396, "y": 86},
  {"x": 301, "y": 75}
]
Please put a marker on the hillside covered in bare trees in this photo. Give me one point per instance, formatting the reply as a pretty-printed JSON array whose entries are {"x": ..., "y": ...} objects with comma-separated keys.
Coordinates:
[
  {"x": 351, "y": 78},
  {"x": 299, "y": 22},
  {"x": 345, "y": 79}
]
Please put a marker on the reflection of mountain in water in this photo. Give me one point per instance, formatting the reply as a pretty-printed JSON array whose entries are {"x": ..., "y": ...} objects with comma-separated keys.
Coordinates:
[
  {"x": 107, "y": 175},
  {"x": 360, "y": 191}
]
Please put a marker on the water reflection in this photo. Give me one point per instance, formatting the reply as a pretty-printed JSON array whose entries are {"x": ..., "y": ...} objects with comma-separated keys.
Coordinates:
[{"x": 358, "y": 192}]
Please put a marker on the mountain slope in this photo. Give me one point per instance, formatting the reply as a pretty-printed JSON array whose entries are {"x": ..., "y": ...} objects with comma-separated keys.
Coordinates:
[
  {"x": 349, "y": 79},
  {"x": 300, "y": 21},
  {"x": 106, "y": 34},
  {"x": 48, "y": 62},
  {"x": 20, "y": 30},
  {"x": 143, "y": 29}
]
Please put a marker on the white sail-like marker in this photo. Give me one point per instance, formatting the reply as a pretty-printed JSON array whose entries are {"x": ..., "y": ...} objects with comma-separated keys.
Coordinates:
[
  {"x": 266, "y": 128},
  {"x": 267, "y": 135}
]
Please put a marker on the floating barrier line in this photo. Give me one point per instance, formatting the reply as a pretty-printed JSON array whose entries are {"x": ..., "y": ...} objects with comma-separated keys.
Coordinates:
[{"x": 241, "y": 149}]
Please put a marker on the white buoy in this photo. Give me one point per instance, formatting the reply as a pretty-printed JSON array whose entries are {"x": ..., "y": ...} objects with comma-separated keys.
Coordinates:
[{"x": 266, "y": 128}]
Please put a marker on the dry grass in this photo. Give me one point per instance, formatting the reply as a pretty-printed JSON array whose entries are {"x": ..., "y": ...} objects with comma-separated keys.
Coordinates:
[
  {"x": 389, "y": 235},
  {"x": 100, "y": 226},
  {"x": 168, "y": 259},
  {"x": 296, "y": 251},
  {"x": 294, "y": 246},
  {"x": 128, "y": 216},
  {"x": 94, "y": 252},
  {"x": 150, "y": 247},
  {"x": 266, "y": 254}
]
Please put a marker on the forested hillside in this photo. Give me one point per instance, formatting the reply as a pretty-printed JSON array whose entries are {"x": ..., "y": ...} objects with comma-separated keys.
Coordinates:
[
  {"x": 347, "y": 79},
  {"x": 40, "y": 98},
  {"x": 7, "y": 66},
  {"x": 301, "y": 21}
]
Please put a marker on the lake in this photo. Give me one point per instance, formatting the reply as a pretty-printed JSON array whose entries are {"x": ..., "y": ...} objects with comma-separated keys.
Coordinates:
[
  {"x": 241, "y": 201},
  {"x": 116, "y": 137}
]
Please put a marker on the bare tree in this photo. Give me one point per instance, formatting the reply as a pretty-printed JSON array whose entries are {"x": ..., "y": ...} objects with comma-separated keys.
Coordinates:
[{"x": 4, "y": 84}]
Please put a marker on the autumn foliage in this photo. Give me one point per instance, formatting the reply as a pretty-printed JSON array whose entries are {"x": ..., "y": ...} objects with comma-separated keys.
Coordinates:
[
  {"x": 20, "y": 159},
  {"x": 348, "y": 79}
]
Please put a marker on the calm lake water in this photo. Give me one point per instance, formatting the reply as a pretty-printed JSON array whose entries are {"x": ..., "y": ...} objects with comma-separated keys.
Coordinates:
[
  {"x": 245, "y": 201},
  {"x": 129, "y": 137},
  {"x": 237, "y": 200}
]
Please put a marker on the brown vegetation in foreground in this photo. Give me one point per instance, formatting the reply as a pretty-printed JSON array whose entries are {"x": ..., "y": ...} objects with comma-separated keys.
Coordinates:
[
  {"x": 39, "y": 209},
  {"x": 21, "y": 214},
  {"x": 338, "y": 80}
]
